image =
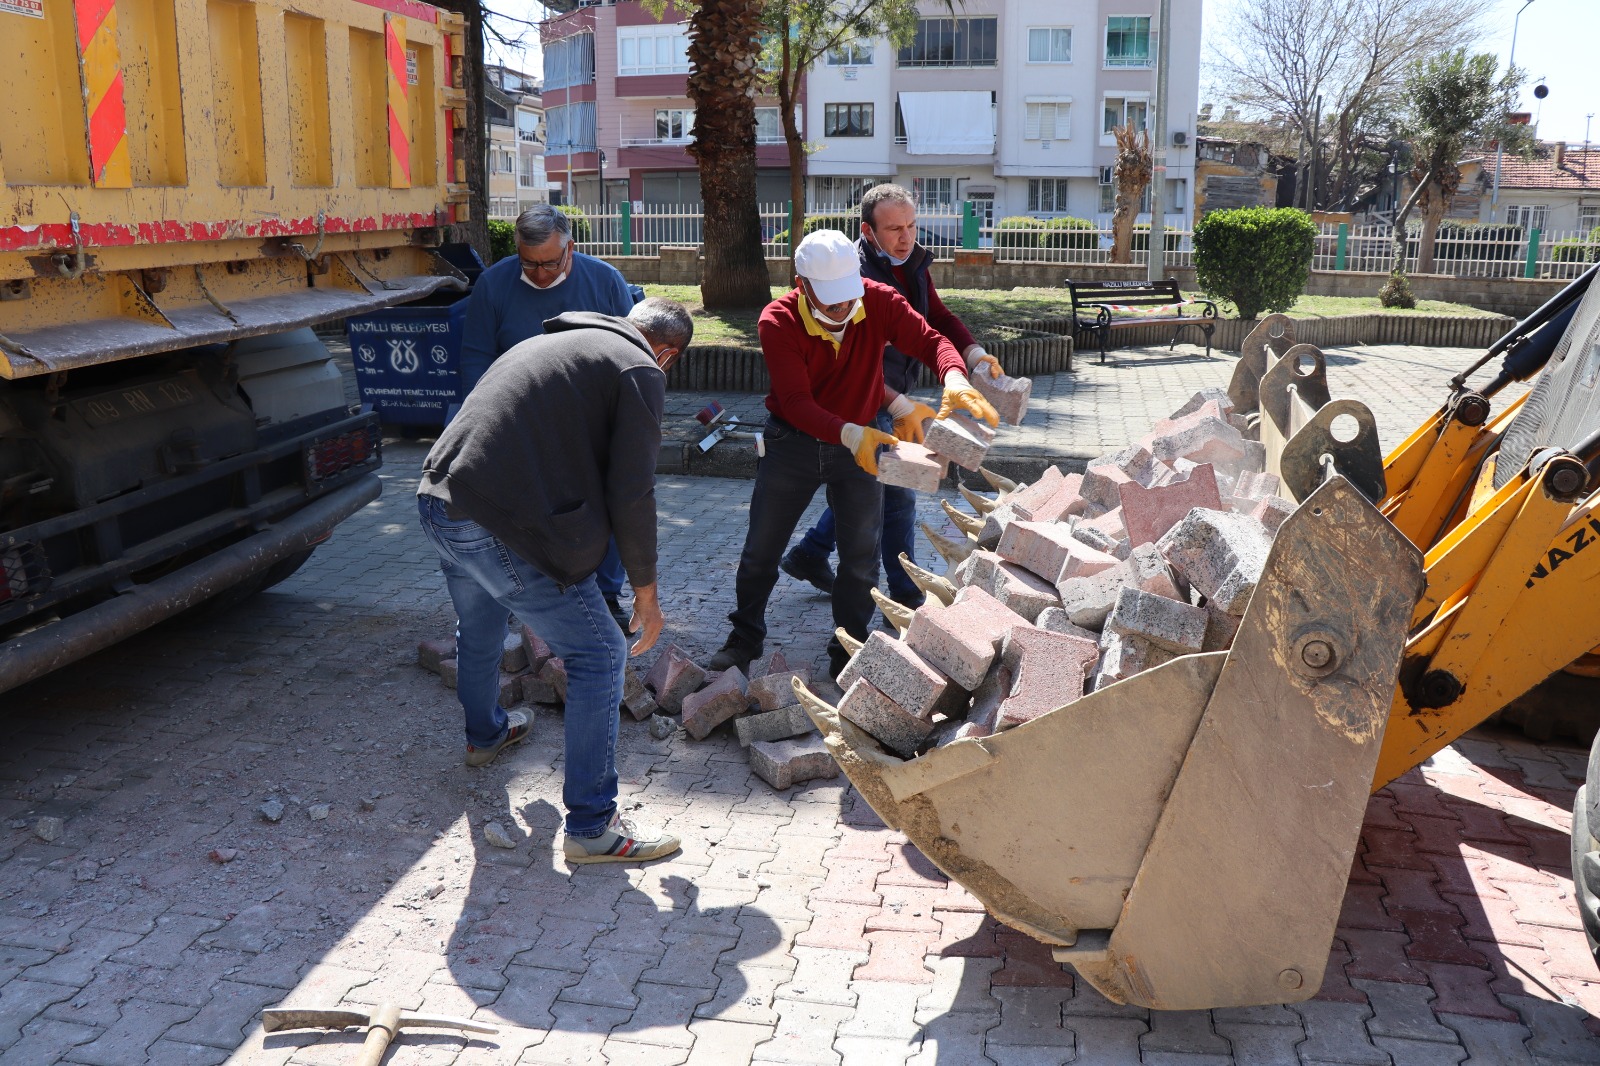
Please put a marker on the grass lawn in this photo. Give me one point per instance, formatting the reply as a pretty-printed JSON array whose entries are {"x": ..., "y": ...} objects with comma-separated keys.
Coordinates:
[{"x": 986, "y": 311}]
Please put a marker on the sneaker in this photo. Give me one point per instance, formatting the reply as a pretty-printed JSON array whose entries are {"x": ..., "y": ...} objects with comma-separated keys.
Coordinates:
[
  {"x": 729, "y": 656},
  {"x": 810, "y": 568},
  {"x": 516, "y": 730},
  {"x": 618, "y": 615},
  {"x": 621, "y": 842}
]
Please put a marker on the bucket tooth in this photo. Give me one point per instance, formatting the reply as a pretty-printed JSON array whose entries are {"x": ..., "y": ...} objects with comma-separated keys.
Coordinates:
[
  {"x": 928, "y": 582},
  {"x": 898, "y": 614},
  {"x": 953, "y": 551},
  {"x": 980, "y": 503},
  {"x": 850, "y": 644},
  {"x": 966, "y": 523},
  {"x": 1002, "y": 485}
]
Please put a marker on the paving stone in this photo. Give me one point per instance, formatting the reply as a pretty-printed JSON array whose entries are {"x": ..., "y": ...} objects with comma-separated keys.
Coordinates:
[
  {"x": 433, "y": 651},
  {"x": 1055, "y": 620},
  {"x": 1048, "y": 670},
  {"x": 804, "y": 1034},
  {"x": 1107, "y": 1041},
  {"x": 1220, "y": 554},
  {"x": 898, "y": 672},
  {"x": 719, "y": 701},
  {"x": 1031, "y": 1017},
  {"x": 896, "y": 728},
  {"x": 1271, "y": 511},
  {"x": 662, "y": 1016},
  {"x": 1186, "y": 1032},
  {"x": 222, "y": 1022},
  {"x": 1491, "y": 1041},
  {"x": 1420, "y": 1052},
  {"x": 785, "y": 763},
  {"x": 1464, "y": 990},
  {"x": 1403, "y": 1012},
  {"x": 1204, "y": 438},
  {"x": 165, "y": 945},
  {"x": 1147, "y": 513},
  {"x": 1008, "y": 395},
  {"x": 1099, "y": 540},
  {"x": 43, "y": 1039},
  {"x": 655, "y": 679},
  {"x": 618, "y": 1051},
  {"x": 1336, "y": 1032},
  {"x": 142, "y": 1023},
  {"x": 775, "y": 690},
  {"x": 1039, "y": 492},
  {"x": 22, "y": 1000},
  {"x": 822, "y": 976},
  {"x": 959, "y": 438},
  {"x": 1122, "y": 656},
  {"x": 1104, "y": 477},
  {"x": 957, "y": 1037},
  {"x": 910, "y": 465},
  {"x": 897, "y": 956},
  {"x": 1042, "y": 548},
  {"x": 1559, "y": 1034},
  {"x": 576, "y": 1037},
  {"x": 1166, "y": 623},
  {"x": 554, "y": 674},
  {"x": 636, "y": 698},
  {"x": 1063, "y": 501},
  {"x": 1262, "y": 1045},
  {"x": 1023, "y": 592},
  {"x": 718, "y": 1042},
  {"x": 683, "y": 677},
  {"x": 961, "y": 640},
  {"x": 786, "y": 722}
]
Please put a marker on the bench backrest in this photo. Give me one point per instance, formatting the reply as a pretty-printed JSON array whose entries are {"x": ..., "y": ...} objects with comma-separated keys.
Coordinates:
[{"x": 1127, "y": 293}]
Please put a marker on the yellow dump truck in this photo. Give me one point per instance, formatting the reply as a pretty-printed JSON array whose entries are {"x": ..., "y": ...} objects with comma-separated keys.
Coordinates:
[
  {"x": 189, "y": 185},
  {"x": 1184, "y": 837}
]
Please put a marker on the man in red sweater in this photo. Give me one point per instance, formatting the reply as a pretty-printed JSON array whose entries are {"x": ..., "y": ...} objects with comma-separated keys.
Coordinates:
[{"x": 823, "y": 343}]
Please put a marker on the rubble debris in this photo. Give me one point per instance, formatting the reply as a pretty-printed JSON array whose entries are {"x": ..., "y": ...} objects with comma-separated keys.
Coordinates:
[
  {"x": 272, "y": 811},
  {"x": 223, "y": 856},
  {"x": 785, "y": 763},
  {"x": 661, "y": 727},
  {"x": 513, "y": 654},
  {"x": 49, "y": 828},
  {"x": 554, "y": 673},
  {"x": 494, "y": 833},
  {"x": 636, "y": 699},
  {"x": 318, "y": 812}
]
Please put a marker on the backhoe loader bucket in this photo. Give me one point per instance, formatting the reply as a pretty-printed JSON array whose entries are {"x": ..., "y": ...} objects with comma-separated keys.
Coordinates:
[{"x": 1184, "y": 837}]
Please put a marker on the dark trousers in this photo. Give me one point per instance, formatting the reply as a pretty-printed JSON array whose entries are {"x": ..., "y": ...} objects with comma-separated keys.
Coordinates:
[{"x": 788, "y": 476}]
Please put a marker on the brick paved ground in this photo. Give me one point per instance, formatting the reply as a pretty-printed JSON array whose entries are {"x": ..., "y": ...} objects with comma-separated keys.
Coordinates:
[{"x": 793, "y": 927}]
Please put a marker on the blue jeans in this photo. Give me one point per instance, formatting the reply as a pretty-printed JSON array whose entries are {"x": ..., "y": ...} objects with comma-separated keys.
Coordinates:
[
  {"x": 610, "y": 575},
  {"x": 899, "y": 534},
  {"x": 488, "y": 582},
  {"x": 787, "y": 477}
]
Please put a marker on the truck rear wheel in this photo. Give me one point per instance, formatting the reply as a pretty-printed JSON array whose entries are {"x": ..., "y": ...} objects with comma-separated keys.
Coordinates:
[
  {"x": 1562, "y": 707},
  {"x": 1586, "y": 855}
]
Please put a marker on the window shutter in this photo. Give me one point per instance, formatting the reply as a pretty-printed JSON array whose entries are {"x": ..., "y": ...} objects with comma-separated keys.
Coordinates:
[{"x": 1031, "y": 132}]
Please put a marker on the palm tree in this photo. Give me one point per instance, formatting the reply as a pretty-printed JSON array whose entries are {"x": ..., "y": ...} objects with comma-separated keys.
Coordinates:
[
  {"x": 1132, "y": 174},
  {"x": 724, "y": 76}
]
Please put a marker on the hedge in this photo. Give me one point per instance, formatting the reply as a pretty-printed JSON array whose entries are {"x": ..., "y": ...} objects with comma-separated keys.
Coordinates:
[{"x": 1258, "y": 258}]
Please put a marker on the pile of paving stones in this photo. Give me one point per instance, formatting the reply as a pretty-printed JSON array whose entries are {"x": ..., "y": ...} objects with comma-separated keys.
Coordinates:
[{"x": 1074, "y": 582}]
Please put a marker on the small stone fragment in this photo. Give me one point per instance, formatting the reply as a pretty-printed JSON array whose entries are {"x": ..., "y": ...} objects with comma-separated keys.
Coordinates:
[
  {"x": 50, "y": 828},
  {"x": 318, "y": 812},
  {"x": 495, "y": 834},
  {"x": 223, "y": 856},
  {"x": 272, "y": 810},
  {"x": 435, "y": 890},
  {"x": 513, "y": 654},
  {"x": 784, "y": 763},
  {"x": 719, "y": 701},
  {"x": 661, "y": 727}
]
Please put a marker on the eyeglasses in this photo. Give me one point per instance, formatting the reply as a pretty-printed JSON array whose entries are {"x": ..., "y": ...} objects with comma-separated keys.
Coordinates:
[{"x": 549, "y": 264}]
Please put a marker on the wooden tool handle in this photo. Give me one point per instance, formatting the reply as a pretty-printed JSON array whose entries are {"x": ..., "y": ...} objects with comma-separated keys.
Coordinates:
[{"x": 385, "y": 1021}]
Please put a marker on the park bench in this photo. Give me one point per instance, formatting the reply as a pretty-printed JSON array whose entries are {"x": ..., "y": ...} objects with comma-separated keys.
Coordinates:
[{"x": 1093, "y": 304}]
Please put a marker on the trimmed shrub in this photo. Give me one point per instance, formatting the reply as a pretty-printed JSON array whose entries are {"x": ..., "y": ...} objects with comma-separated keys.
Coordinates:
[
  {"x": 1487, "y": 241},
  {"x": 848, "y": 224},
  {"x": 502, "y": 239},
  {"x": 1068, "y": 233},
  {"x": 1577, "y": 249},
  {"x": 1018, "y": 231},
  {"x": 1257, "y": 258},
  {"x": 582, "y": 232}
]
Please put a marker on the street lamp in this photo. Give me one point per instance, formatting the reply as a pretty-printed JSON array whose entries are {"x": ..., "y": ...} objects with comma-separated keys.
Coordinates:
[
  {"x": 602, "y": 170},
  {"x": 1500, "y": 147}
]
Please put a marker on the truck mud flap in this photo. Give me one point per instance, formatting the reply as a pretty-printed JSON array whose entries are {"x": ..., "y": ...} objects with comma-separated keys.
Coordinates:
[
  {"x": 1184, "y": 837},
  {"x": 36, "y": 653}
]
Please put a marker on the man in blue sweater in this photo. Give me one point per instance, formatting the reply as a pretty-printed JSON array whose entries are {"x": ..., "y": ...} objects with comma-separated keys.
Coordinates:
[{"x": 513, "y": 299}]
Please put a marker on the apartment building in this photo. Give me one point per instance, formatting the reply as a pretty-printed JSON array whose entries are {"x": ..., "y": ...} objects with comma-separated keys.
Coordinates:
[
  {"x": 514, "y": 114},
  {"x": 620, "y": 119},
  {"x": 1009, "y": 103}
]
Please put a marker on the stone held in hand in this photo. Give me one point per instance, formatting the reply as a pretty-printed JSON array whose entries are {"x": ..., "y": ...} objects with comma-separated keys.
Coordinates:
[
  {"x": 911, "y": 466},
  {"x": 1008, "y": 395},
  {"x": 959, "y": 438}
]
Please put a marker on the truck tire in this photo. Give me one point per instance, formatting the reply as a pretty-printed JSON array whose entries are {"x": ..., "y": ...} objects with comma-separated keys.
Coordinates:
[
  {"x": 1586, "y": 861},
  {"x": 1562, "y": 707}
]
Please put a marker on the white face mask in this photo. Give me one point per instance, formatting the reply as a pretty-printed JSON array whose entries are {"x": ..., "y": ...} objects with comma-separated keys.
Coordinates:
[
  {"x": 829, "y": 323},
  {"x": 559, "y": 279},
  {"x": 892, "y": 260}
]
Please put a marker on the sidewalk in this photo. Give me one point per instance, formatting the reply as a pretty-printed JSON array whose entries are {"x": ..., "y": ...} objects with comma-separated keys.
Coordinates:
[{"x": 792, "y": 928}]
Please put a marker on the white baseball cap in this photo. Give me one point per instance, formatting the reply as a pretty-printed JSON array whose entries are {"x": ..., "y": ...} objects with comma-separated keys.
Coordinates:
[{"x": 829, "y": 260}]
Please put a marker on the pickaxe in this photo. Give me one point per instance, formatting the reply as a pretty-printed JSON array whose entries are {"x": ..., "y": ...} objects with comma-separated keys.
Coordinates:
[{"x": 382, "y": 1025}]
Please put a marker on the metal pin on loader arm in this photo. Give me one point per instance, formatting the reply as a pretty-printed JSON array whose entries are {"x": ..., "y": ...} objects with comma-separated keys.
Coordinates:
[{"x": 382, "y": 1025}]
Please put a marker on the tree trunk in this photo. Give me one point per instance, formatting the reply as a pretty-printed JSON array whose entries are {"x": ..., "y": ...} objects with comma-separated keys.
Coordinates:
[
  {"x": 472, "y": 144},
  {"x": 788, "y": 91},
  {"x": 1122, "y": 227},
  {"x": 1398, "y": 264},
  {"x": 724, "y": 49},
  {"x": 1430, "y": 233},
  {"x": 1132, "y": 173}
]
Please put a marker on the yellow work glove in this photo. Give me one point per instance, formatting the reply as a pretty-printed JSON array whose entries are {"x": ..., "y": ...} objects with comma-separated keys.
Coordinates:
[
  {"x": 909, "y": 415},
  {"x": 864, "y": 442},
  {"x": 977, "y": 357},
  {"x": 959, "y": 395}
]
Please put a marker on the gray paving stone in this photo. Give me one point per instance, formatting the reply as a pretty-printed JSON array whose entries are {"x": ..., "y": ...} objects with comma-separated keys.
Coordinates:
[
  {"x": 1186, "y": 1032},
  {"x": 1559, "y": 1034},
  {"x": 1263, "y": 1045},
  {"x": 1031, "y": 1017},
  {"x": 1106, "y": 1041},
  {"x": 142, "y": 1023},
  {"x": 1420, "y": 1052},
  {"x": 1336, "y": 1032},
  {"x": 21, "y": 1000},
  {"x": 1491, "y": 1043},
  {"x": 1403, "y": 1012}
]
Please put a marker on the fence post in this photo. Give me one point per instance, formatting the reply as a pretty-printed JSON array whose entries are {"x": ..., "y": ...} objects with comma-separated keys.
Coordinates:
[
  {"x": 1344, "y": 240},
  {"x": 625, "y": 217},
  {"x": 969, "y": 224},
  {"x": 1530, "y": 267}
]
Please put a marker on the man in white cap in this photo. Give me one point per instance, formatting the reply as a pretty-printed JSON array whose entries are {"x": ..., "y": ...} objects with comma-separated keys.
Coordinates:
[{"x": 823, "y": 343}]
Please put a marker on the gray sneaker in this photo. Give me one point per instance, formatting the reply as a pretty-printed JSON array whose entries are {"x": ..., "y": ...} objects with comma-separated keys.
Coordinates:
[
  {"x": 621, "y": 842},
  {"x": 516, "y": 730}
]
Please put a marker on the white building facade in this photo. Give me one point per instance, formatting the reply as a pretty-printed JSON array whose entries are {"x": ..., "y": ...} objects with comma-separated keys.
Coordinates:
[{"x": 1009, "y": 104}]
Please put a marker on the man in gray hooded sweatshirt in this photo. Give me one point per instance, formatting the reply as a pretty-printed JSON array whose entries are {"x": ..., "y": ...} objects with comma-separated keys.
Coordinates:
[{"x": 553, "y": 454}]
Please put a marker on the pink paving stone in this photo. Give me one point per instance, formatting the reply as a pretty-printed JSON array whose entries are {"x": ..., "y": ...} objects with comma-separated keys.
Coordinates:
[
  {"x": 897, "y": 956},
  {"x": 554, "y": 673},
  {"x": 1023, "y": 592},
  {"x": 1210, "y": 394},
  {"x": 435, "y": 650},
  {"x": 1084, "y": 561},
  {"x": 536, "y": 689},
  {"x": 886, "y": 721},
  {"x": 1048, "y": 671},
  {"x": 771, "y": 692},
  {"x": 1065, "y": 501},
  {"x": 960, "y": 438},
  {"x": 1168, "y": 624},
  {"x": 535, "y": 648},
  {"x": 1221, "y": 628},
  {"x": 1258, "y": 485},
  {"x": 910, "y": 465},
  {"x": 782, "y": 763},
  {"x": 1336, "y": 986},
  {"x": 719, "y": 701},
  {"x": 961, "y": 640},
  {"x": 1148, "y": 513},
  {"x": 1380, "y": 955},
  {"x": 1024, "y": 500},
  {"x": 1164, "y": 426},
  {"x": 897, "y": 672},
  {"x": 1270, "y": 512},
  {"x": 1041, "y": 547},
  {"x": 1203, "y": 439},
  {"x": 1009, "y": 395},
  {"x": 683, "y": 678},
  {"x": 978, "y": 569},
  {"x": 656, "y": 679},
  {"x": 1111, "y": 525}
]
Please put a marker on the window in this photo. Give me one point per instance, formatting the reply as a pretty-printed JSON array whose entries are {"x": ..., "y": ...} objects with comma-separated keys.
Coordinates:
[
  {"x": 570, "y": 128},
  {"x": 528, "y": 127},
  {"x": 841, "y": 192},
  {"x": 1123, "y": 111},
  {"x": 769, "y": 125},
  {"x": 1108, "y": 194},
  {"x": 675, "y": 124},
  {"x": 963, "y": 42},
  {"x": 1050, "y": 44},
  {"x": 1128, "y": 41},
  {"x": 1588, "y": 217},
  {"x": 1528, "y": 216},
  {"x": 854, "y": 54},
  {"x": 1048, "y": 121},
  {"x": 503, "y": 160},
  {"x": 847, "y": 120},
  {"x": 569, "y": 62},
  {"x": 652, "y": 49},
  {"x": 1047, "y": 195},
  {"x": 933, "y": 192}
]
